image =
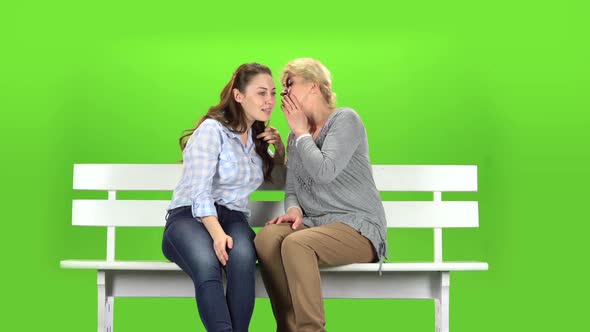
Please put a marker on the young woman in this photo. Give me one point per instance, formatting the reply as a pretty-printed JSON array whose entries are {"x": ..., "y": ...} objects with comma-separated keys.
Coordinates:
[
  {"x": 225, "y": 158},
  {"x": 334, "y": 214}
]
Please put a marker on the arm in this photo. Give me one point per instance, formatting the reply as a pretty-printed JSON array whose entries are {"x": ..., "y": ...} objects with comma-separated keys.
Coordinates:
[
  {"x": 290, "y": 196},
  {"x": 201, "y": 157},
  {"x": 294, "y": 213}
]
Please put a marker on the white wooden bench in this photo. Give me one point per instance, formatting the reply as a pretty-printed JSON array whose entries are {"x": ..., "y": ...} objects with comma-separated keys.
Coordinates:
[{"x": 415, "y": 280}]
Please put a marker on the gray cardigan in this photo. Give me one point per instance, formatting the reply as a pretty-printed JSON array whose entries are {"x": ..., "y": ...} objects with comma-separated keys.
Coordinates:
[{"x": 331, "y": 179}]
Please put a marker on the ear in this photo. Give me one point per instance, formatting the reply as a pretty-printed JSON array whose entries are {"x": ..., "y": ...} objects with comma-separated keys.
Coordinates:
[
  {"x": 315, "y": 88},
  {"x": 238, "y": 96}
]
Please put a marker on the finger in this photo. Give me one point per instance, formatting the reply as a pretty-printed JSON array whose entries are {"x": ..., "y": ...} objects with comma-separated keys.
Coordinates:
[
  {"x": 285, "y": 108},
  {"x": 268, "y": 132},
  {"x": 220, "y": 257},
  {"x": 288, "y": 113},
  {"x": 272, "y": 221},
  {"x": 297, "y": 223},
  {"x": 225, "y": 256},
  {"x": 288, "y": 101},
  {"x": 230, "y": 242},
  {"x": 294, "y": 101},
  {"x": 270, "y": 138}
]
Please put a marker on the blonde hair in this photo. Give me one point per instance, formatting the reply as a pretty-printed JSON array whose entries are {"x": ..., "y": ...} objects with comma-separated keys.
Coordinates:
[{"x": 311, "y": 70}]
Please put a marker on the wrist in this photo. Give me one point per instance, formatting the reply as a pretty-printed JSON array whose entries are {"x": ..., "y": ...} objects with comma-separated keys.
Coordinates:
[
  {"x": 218, "y": 234},
  {"x": 297, "y": 139},
  {"x": 299, "y": 133},
  {"x": 295, "y": 211},
  {"x": 213, "y": 227}
]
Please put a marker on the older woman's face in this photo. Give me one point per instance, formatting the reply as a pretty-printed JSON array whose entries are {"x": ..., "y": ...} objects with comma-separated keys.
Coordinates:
[{"x": 297, "y": 87}]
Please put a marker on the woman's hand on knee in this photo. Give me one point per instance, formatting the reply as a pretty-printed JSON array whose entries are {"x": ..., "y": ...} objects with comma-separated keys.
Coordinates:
[
  {"x": 278, "y": 220},
  {"x": 291, "y": 216},
  {"x": 220, "y": 243}
]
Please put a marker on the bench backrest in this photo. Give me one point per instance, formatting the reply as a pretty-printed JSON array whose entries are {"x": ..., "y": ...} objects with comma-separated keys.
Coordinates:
[{"x": 436, "y": 214}]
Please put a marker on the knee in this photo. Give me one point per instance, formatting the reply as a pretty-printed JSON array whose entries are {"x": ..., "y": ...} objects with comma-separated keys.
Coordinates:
[
  {"x": 267, "y": 241},
  {"x": 203, "y": 266},
  {"x": 243, "y": 252},
  {"x": 192, "y": 255},
  {"x": 290, "y": 244},
  {"x": 294, "y": 244}
]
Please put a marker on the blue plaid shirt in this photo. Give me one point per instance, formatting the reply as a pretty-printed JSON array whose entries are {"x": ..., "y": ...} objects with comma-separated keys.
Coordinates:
[{"x": 217, "y": 168}]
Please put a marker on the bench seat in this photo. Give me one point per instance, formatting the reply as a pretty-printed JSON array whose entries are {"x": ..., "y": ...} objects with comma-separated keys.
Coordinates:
[{"x": 362, "y": 267}]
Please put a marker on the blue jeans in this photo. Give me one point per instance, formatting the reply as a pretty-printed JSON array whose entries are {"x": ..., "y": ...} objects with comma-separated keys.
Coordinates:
[{"x": 187, "y": 243}]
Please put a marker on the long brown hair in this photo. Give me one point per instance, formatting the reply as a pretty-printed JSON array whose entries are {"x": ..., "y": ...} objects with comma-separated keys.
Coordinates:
[{"x": 231, "y": 114}]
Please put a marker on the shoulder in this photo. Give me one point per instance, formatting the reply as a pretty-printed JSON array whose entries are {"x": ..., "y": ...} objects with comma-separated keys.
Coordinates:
[
  {"x": 210, "y": 125},
  {"x": 212, "y": 129},
  {"x": 208, "y": 133},
  {"x": 347, "y": 117}
]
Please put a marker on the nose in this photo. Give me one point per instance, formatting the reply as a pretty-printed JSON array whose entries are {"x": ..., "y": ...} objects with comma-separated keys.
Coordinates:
[{"x": 269, "y": 100}]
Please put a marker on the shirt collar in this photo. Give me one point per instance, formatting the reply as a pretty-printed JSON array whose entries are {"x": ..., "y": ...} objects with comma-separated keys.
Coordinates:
[
  {"x": 229, "y": 132},
  {"x": 232, "y": 134}
]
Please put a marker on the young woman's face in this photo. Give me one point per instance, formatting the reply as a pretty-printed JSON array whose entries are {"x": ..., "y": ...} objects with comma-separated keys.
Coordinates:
[{"x": 259, "y": 98}]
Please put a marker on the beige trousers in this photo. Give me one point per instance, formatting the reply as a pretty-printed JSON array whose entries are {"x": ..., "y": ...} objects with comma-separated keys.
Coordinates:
[{"x": 290, "y": 261}]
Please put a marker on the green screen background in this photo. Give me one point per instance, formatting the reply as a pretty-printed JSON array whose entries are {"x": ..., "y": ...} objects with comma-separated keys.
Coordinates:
[{"x": 502, "y": 85}]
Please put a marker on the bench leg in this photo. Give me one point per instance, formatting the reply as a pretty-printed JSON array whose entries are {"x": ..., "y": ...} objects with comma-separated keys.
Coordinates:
[
  {"x": 441, "y": 310},
  {"x": 110, "y": 310},
  {"x": 105, "y": 305}
]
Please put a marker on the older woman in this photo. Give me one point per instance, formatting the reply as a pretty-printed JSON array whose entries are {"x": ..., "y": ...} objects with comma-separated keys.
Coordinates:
[{"x": 334, "y": 214}]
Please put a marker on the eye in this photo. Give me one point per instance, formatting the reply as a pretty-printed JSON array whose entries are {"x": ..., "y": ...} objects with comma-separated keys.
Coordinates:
[
  {"x": 261, "y": 93},
  {"x": 288, "y": 82},
  {"x": 274, "y": 93}
]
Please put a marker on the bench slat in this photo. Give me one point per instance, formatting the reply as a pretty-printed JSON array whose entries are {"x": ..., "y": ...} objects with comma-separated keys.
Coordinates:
[
  {"x": 426, "y": 178},
  {"x": 420, "y": 178},
  {"x": 142, "y": 177},
  {"x": 450, "y": 214},
  {"x": 362, "y": 267},
  {"x": 335, "y": 284},
  {"x": 150, "y": 213}
]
